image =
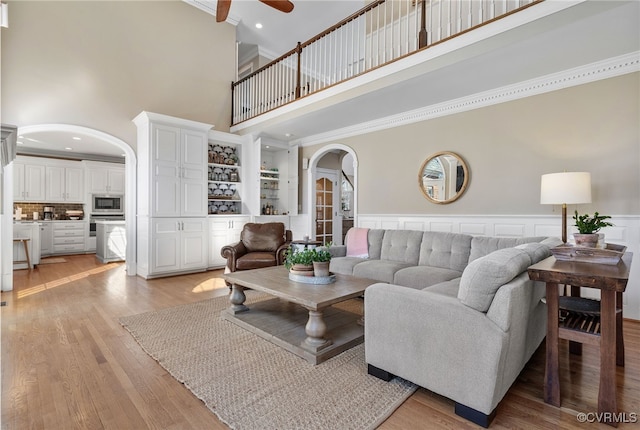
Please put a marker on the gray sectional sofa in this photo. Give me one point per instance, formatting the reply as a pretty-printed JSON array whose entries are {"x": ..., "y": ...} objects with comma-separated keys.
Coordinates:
[{"x": 453, "y": 313}]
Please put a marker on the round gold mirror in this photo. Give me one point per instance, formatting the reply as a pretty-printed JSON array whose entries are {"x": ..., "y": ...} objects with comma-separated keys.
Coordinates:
[{"x": 443, "y": 177}]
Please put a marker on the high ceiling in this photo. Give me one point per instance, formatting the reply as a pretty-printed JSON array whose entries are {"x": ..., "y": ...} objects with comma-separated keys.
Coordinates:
[{"x": 571, "y": 36}]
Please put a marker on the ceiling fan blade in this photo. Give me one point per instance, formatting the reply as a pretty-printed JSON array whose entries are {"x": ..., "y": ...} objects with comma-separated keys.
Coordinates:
[
  {"x": 282, "y": 5},
  {"x": 222, "y": 10}
]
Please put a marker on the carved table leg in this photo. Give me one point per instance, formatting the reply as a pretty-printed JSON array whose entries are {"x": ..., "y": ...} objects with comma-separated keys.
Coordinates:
[
  {"x": 316, "y": 329},
  {"x": 237, "y": 299}
]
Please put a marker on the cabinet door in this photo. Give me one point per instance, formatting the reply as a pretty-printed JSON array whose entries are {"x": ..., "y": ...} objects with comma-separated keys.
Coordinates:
[
  {"x": 55, "y": 189},
  {"x": 193, "y": 173},
  {"x": 98, "y": 178},
  {"x": 74, "y": 184},
  {"x": 46, "y": 239},
  {"x": 218, "y": 237},
  {"x": 165, "y": 245},
  {"x": 165, "y": 174},
  {"x": 18, "y": 182},
  {"x": 115, "y": 184},
  {"x": 193, "y": 243},
  {"x": 34, "y": 182}
]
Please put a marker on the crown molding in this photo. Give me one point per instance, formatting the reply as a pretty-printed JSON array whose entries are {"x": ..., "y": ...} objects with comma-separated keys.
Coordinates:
[{"x": 612, "y": 67}]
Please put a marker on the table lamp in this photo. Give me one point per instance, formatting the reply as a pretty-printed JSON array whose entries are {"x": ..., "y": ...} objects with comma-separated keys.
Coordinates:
[{"x": 565, "y": 188}]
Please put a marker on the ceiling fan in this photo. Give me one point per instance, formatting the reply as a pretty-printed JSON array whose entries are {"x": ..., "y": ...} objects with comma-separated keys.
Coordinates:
[{"x": 223, "y": 6}]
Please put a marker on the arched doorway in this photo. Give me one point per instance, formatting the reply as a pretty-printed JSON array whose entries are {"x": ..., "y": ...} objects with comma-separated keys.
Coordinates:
[
  {"x": 130, "y": 176},
  {"x": 324, "y": 214}
]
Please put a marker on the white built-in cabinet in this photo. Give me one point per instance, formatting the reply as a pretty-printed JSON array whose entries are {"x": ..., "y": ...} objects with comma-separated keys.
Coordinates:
[
  {"x": 223, "y": 231},
  {"x": 28, "y": 181},
  {"x": 172, "y": 195},
  {"x": 105, "y": 178},
  {"x": 64, "y": 182},
  {"x": 177, "y": 245}
]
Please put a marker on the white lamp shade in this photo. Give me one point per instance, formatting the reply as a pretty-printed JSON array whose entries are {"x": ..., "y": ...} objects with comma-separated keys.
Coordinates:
[{"x": 565, "y": 188}]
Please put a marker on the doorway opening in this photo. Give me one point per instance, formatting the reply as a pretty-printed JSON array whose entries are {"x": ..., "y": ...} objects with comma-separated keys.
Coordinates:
[
  {"x": 332, "y": 193},
  {"x": 130, "y": 176}
]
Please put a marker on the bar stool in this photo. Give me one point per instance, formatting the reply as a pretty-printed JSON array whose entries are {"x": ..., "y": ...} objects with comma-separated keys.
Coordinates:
[{"x": 24, "y": 241}]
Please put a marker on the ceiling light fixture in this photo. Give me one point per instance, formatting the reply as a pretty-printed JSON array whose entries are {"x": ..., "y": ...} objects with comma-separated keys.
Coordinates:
[
  {"x": 288, "y": 134},
  {"x": 258, "y": 25},
  {"x": 76, "y": 138},
  {"x": 68, "y": 149}
]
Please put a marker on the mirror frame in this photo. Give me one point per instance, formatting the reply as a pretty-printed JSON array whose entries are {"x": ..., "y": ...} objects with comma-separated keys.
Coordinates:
[{"x": 465, "y": 182}]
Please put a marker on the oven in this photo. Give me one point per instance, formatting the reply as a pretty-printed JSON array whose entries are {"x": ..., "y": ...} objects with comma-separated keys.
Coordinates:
[
  {"x": 102, "y": 217},
  {"x": 107, "y": 204}
]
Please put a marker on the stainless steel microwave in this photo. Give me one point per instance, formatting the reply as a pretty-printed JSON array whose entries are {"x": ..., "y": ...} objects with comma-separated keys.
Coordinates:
[{"x": 101, "y": 204}]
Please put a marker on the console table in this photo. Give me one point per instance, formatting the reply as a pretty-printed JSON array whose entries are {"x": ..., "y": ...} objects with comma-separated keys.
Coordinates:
[{"x": 604, "y": 330}]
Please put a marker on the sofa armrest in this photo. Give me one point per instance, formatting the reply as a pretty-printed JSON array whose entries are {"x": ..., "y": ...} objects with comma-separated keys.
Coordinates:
[
  {"x": 338, "y": 250},
  {"x": 436, "y": 342},
  {"x": 232, "y": 253}
]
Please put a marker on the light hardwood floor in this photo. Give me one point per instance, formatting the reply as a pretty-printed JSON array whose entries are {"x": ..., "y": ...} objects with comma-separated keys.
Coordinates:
[{"x": 68, "y": 364}]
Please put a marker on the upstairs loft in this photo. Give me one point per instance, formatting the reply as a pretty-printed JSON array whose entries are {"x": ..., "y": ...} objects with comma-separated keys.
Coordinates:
[{"x": 403, "y": 61}]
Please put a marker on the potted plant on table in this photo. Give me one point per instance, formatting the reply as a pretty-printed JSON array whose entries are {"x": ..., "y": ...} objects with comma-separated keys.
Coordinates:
[
  {"x": 588, "y": 227},
  {"x": 321, "y": 259},
  {"x": 299, "y": 262}
]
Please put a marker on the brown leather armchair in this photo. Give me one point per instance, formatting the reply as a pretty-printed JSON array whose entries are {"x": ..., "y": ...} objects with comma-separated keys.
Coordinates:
[{"x": 261, "y": 245}]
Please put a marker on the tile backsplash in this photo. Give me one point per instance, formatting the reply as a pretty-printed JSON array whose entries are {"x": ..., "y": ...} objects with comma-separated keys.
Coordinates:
[{"x": 59, "y": 209}]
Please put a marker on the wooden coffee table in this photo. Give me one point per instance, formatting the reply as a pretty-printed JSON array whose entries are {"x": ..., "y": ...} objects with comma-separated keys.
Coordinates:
[{"x": 300, "y": 317}]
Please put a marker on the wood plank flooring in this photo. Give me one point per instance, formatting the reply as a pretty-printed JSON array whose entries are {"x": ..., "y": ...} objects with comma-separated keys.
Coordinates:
[{"x": 68, "y": 364}]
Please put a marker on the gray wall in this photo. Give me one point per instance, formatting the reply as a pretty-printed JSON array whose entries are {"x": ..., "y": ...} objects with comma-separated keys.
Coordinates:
[
  {"x": 99, "y": 64},
  {"x": 592, "y": 127}
]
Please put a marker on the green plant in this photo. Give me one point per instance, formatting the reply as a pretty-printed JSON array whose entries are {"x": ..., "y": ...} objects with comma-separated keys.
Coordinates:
[
  {"x": 321, "y": 254},
  {"x": 304, "y": 257},
  {"x": 591, "y": 224}
]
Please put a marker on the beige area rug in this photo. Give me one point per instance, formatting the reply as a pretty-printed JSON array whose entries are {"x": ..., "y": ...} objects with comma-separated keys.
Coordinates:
[
  {"x": 251, "y": 384},
  {"x": 52, "y": 260}
]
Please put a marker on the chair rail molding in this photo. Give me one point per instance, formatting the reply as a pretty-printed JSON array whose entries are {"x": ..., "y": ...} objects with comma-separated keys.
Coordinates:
[{"x": 626, "y": 231}]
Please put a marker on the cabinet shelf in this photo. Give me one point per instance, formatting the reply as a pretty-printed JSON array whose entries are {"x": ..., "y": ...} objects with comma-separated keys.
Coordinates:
[
  {"x": 217, "y": 199},
  {"x": 224, "y": 166},
  {"x": 262, "y": 178},
  {"x": 224, "y": 182}
]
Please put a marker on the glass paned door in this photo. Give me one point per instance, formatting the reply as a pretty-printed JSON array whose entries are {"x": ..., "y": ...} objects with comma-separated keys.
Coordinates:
[{"x": 324, "y": 210}]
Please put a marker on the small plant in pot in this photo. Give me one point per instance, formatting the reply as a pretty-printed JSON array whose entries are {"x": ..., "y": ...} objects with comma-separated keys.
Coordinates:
[
  {"x": 588, "y": 227},
  {"x": 299, "y": 262},
  {"x": 321, "y": 259}
]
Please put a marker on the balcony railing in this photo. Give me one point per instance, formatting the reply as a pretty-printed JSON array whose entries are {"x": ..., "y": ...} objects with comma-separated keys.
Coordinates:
[{"x": 380, "y": 33}]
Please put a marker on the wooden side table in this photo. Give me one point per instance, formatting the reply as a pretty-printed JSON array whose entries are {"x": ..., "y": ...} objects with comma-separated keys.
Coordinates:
[{"x": 611, "y": 280}]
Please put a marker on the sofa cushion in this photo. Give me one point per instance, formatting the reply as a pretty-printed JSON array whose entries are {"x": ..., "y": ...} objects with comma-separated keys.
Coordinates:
[
  {"x": 344, "y": 265},
  {"x": 420, "y": 277},
  {"x": 375, "y": 237},
  {"x": 263, "y": 237},
  {"x": 256, "y": 260},
  {"x": 447, "y": 288},
  {"x": 484, "y": 245},
  {"x": 537, "y": 251},
  {"x": 485, "y": 275},
  {"x": 380, "y": 270},
  {"x": 445, "y": 250},
  {"x": 402, "y": 246}
]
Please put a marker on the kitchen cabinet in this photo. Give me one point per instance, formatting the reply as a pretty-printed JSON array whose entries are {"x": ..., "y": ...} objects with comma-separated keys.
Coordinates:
[
  {"x": 104, "y": 178},
  {"x": 28, "y": 181},
  {"x": 223, "y": 231},
  {"x": 69, "y": 237},
  {"x": 177, "y": 245},
  {"x": 65, "y": 183},
  {"x": 46, "y": 238},
  {"x": 111, "y": 241}
]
